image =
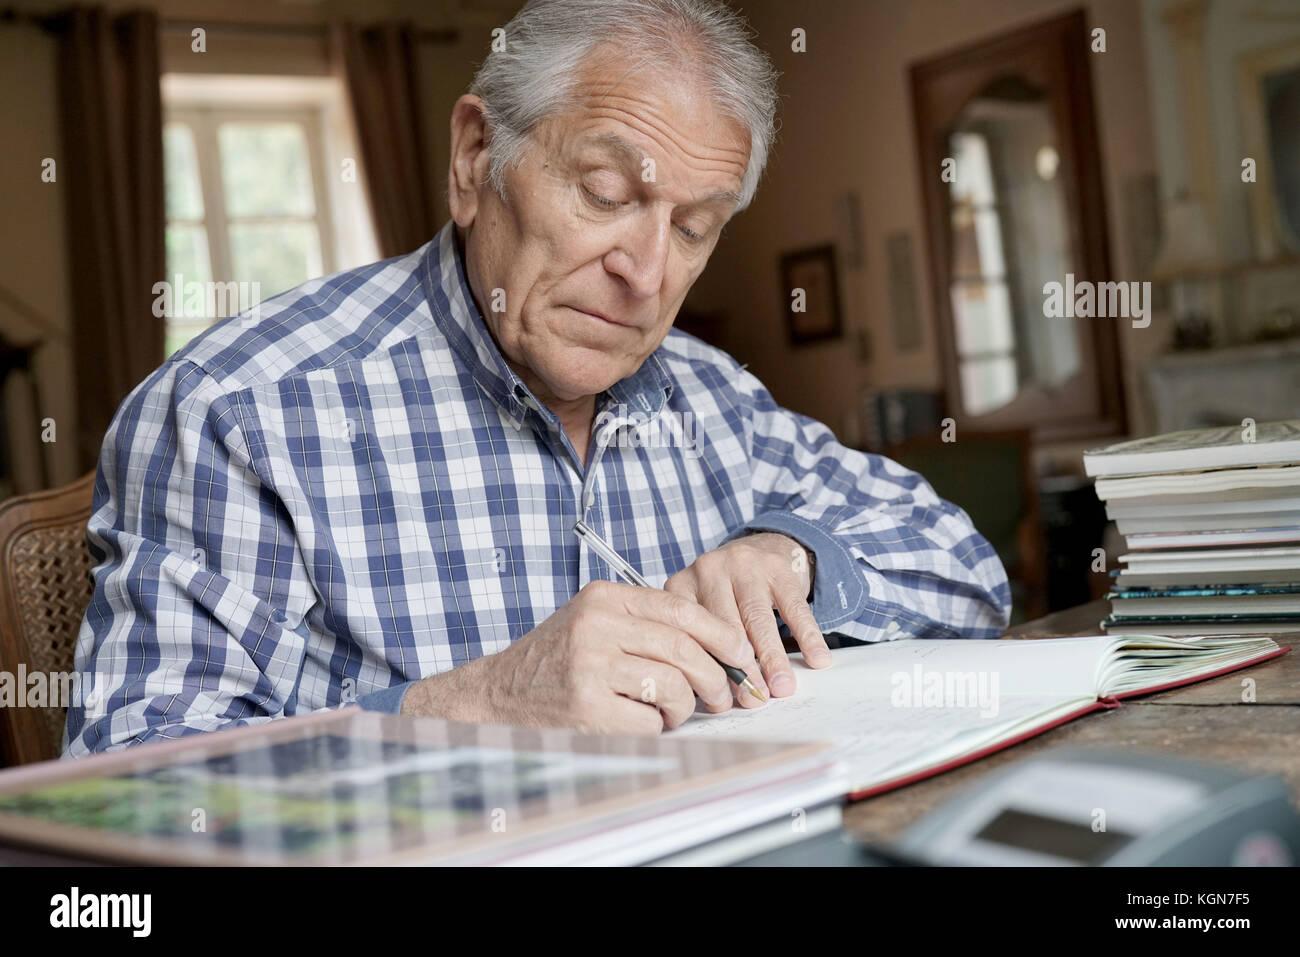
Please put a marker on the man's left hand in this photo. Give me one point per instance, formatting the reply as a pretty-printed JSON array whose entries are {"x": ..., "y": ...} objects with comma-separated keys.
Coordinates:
[{"x": 742, "y": 582}]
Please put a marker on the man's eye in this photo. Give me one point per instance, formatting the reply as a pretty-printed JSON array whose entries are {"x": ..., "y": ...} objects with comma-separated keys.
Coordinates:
[
  {"x": 607, "y": 203},
  {"x": 690, "y": 234}
]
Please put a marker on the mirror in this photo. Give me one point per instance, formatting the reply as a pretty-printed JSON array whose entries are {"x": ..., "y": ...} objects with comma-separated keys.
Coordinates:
[
  {"x": 1281, "y": 95},
  {"x": 1016, "y": 201},
  {"x": 1009, "y": 236}
]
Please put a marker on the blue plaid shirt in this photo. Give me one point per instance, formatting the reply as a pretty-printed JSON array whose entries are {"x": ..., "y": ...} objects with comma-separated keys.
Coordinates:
[{"x": 347, "y": 490}]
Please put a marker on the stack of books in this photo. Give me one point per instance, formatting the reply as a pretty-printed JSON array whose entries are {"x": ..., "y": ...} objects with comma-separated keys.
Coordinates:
[
  {"x": 358, "y": 787},
  {"x": 1211, "y": 525}
]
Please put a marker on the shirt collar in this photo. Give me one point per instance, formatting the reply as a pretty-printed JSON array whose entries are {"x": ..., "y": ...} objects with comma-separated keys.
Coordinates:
[{"x": 446, "y": 287}]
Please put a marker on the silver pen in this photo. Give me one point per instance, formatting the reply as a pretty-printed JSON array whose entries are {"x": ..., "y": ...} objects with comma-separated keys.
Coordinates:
[{"x": 630, "y": 575}]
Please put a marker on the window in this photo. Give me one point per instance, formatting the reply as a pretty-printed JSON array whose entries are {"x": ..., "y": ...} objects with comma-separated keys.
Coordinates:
[{"x": 263, "y": 192}]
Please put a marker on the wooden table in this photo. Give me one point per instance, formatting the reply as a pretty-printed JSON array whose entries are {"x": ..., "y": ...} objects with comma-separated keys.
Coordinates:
[{"x": 1207, "y": 721}]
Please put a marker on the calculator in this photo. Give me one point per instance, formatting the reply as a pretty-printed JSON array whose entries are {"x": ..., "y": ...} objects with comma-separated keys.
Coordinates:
[{"x": 1080, "y": 807}]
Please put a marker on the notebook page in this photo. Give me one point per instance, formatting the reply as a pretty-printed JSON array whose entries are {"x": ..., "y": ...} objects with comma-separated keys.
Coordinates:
[
  {"x": 1146, "y": 661},
  {"x": 912, "y": 701}
]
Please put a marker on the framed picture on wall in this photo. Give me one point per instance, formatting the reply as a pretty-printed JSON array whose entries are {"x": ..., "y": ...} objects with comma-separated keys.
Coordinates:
[{"x": 810, "y": 297}]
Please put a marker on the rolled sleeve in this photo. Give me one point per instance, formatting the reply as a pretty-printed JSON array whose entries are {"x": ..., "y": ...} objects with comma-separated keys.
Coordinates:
[
  {"x": 839, "y": 589},
  {"x": 893, "y": 560}
]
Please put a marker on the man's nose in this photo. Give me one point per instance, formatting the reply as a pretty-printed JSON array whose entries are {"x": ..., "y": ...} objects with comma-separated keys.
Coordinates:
[{"x": 642, "y": 255}]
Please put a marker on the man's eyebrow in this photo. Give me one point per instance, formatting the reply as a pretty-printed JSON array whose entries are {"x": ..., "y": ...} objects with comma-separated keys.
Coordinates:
[
  {"x": 728, "y": 196},
  {"x": 632, "y": 157},
  {"x": 625, "y": 151}
]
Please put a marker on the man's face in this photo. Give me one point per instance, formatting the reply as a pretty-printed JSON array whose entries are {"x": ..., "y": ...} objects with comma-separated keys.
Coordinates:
[{"x": 608, "y": 221}]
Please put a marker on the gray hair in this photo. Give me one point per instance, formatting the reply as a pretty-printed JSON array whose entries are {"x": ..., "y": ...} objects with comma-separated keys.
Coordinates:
[{"x": 548, "y": 41}]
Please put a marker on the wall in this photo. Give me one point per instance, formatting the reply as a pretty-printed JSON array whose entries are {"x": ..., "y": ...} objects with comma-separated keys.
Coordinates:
[
  {"x": 1262, "y": 279},
  {"x": 847, "y": 125},
  {"x": 33, "y": 253},
  {"x": 1232, "y": 28}
]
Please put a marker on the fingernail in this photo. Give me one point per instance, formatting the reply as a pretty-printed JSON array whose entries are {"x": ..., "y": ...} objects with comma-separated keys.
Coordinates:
[
  {"x": 818, "y": 657},
  {"x": 782, "y": 683}
]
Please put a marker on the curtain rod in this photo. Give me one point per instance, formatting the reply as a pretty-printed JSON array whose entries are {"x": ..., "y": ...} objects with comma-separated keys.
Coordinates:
[
  {"x": 292, "y": 29},
  {"x": 26, "y": 18},
  {"x": 51, "y": 21}
]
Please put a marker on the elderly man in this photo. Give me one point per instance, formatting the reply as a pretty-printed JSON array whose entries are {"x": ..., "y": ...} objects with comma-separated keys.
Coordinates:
[{"x": 368, "y": 495}]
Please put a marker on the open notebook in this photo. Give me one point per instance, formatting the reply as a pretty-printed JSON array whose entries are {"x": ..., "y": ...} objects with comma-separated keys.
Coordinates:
[{"x": 904, "y": 710}]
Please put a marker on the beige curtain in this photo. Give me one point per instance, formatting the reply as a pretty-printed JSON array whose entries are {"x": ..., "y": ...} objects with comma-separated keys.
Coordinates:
[
  {"x": 111, "y": 163},
  {"x": 382, "y": 75}
]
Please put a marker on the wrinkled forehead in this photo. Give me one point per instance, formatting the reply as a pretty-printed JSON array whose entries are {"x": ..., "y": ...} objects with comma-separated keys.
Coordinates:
[{"x": 660, "y": 112}]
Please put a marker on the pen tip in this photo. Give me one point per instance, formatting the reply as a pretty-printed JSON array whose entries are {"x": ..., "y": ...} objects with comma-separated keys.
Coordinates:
[{"x": 749, "y": 686}]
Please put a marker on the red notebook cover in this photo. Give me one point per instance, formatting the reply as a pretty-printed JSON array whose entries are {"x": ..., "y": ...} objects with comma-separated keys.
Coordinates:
[{"x": 1102, "y": 704}]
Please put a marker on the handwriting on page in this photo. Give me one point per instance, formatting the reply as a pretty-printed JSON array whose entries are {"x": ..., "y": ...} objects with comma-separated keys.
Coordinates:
[{"x": 864, "y": 704}]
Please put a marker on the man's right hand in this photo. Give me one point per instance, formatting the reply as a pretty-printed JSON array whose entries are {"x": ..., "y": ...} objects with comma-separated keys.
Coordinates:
[{"x": 616, "y": 659}]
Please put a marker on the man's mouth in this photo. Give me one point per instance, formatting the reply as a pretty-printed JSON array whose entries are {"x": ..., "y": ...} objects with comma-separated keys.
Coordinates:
[{"x": 598, "y": 316}]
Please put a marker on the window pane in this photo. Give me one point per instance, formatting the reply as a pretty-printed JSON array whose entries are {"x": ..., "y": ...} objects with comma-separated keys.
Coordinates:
[
  {"x": 973, "y": 177},
  {"x": 981, "y": 314},
  {"x": 277, "y": 255},
  {"x": 187, "y": 253},
  {"x": 181, "y": 173},
  {"x": 988, "y": 383},
  {"x": 265, "y": 169},
  {"x": 180, "y": 332},
  {"x": 187, "y": 256}
]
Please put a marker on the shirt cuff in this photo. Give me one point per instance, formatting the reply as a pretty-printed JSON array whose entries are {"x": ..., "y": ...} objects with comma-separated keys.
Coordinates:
[
  {"x": 840, "y": 590},
  {"x": 388, "y": 700}
]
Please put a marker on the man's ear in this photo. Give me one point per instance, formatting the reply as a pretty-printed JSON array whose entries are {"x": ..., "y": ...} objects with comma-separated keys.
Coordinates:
[{"x": 467, "y": 171}]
